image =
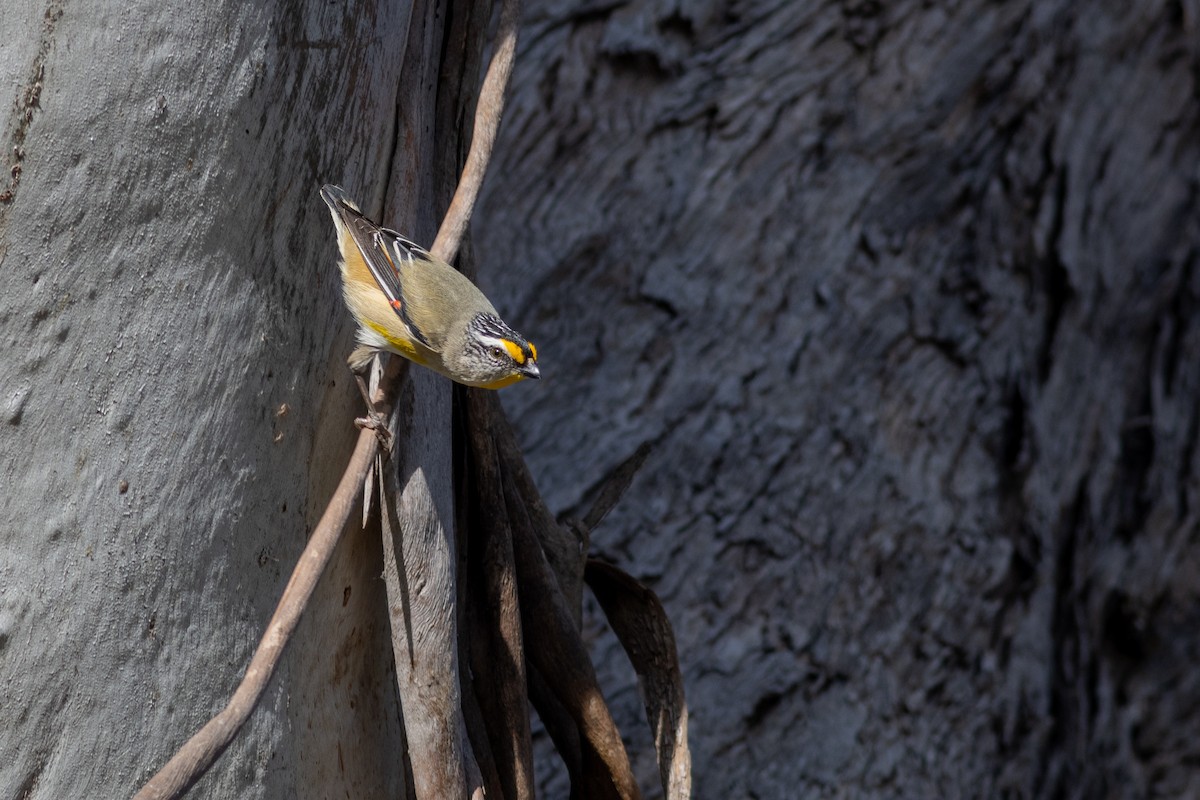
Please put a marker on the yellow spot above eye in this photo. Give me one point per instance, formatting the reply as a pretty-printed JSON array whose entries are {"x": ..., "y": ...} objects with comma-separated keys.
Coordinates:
[
  {"x": 533, "y": 350},
  {"x": 514, "y": 350}
]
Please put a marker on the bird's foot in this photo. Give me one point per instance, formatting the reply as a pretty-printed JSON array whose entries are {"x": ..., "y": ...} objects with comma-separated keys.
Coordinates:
[{"x": 376, "y": 422}]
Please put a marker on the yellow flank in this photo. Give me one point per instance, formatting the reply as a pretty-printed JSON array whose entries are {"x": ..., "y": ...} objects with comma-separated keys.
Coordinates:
[
  {"x": 514, "y": 350},
  {"x": 354, "y": 267},
  {"x": 500, "y": 384},
  {"x": 402, "y": 346}
]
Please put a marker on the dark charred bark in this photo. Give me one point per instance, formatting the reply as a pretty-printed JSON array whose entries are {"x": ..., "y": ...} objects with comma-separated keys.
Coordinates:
[{"x": 906, "y": 297}]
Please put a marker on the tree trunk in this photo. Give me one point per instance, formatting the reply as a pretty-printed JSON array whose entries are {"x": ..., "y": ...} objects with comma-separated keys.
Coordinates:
[
  {"x": 176, "y": 402},
  {"x": 906, "y": 298}
]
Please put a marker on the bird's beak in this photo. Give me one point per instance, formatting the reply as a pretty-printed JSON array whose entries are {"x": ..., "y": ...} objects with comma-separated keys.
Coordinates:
[{"x": 530, "y": 370}]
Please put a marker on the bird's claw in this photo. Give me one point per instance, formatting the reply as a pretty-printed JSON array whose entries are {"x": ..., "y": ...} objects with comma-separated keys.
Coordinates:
[{"x": 375, "y": 421}]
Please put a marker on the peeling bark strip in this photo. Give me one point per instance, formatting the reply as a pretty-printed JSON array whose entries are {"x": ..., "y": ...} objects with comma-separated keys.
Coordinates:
[
  {"x": 496, "y": 640},
  {"x": 418, "y": 570},
  {"x": 436, "y": 92},
  {"x": 563, "y": 663},
  {"x": 561, "y": 682},
  {"x": 640, "y": 622},
  {"x": 506, "y": 555}
]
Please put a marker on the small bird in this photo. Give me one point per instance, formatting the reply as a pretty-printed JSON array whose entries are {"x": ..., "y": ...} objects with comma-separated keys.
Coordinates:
[{"x": 408, "y": 301}]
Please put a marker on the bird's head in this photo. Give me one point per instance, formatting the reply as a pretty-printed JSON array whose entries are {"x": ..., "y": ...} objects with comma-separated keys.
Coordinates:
[{"x": 493, "y": 355}]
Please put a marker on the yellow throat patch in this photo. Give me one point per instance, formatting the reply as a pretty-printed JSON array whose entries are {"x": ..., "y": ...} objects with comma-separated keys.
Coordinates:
[{"x": 500, "y": 384}]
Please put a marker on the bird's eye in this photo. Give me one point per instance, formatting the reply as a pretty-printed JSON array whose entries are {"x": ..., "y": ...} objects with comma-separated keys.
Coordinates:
[{"x": 495, "y": 352}]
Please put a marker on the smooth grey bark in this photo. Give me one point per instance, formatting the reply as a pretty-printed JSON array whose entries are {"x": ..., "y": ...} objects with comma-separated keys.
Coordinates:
[
  {"x": 905, "y": 295},
  {"x": 176, "y": 405}
]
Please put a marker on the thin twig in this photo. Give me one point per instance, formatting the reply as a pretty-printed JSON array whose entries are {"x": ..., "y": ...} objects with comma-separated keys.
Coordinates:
[
  {"x": 488, "y": 111},
  {"x": 198, "y": 754}
]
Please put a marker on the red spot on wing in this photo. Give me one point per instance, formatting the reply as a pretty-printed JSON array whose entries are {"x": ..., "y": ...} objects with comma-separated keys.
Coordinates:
[{"x": 396, "y": 304}]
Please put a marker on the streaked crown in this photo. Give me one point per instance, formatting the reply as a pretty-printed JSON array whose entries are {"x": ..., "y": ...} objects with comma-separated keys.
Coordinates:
[{"x": 495, "y": 339}]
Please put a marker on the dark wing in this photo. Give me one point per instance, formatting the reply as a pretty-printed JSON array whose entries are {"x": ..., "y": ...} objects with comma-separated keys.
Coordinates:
[{"x": 382, "y": 249}]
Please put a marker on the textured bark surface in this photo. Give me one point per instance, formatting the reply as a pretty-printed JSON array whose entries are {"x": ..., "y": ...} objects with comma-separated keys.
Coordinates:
[
  {"x": 176, "y": 407},
  {"x": 905, "y": 296}
]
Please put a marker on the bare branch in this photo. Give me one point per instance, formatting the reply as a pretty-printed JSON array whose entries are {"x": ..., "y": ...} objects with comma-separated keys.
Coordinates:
[{"x": 488, "y": 111}]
